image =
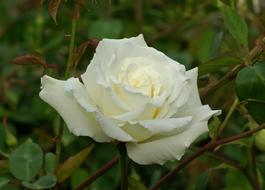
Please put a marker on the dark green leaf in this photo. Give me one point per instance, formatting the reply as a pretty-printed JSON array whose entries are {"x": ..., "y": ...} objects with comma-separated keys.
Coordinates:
[
  {"x": 26, "y": 161},
  {"x": 72, "y": 163},
  {"x": 3, "y": 167},
  {"x": 236, "y": 25},
  {"x": 2, "y": 137},
  {"x": 218, "y": 63},
  {"x": 202, "y": 181},
  {"x": 9, "y": 187},
  {"x": 43, "y": 182},
  {"x": 50, "y": 162},
  {"x": 236, "y": 180},
  {"x": 3, "y": 181},
  {"x": 250, "y": 86},
  {"x": 106, "y": 29},
  {"x": 78, "y": 177},
  {"x": 217, "y": 43}
]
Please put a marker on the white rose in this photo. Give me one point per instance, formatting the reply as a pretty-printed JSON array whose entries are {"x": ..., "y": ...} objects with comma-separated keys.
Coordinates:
[{"x": 135, "y": 94}]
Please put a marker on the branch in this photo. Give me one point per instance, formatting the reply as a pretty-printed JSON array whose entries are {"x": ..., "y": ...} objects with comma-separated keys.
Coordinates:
[
  {"x": 98, "y": 173},
  {"x": 221, "y": 158},
  {"x": 231, "y": 75},
  {"x": 224, "y": 80},
  {"x": 208, "y": 146}
]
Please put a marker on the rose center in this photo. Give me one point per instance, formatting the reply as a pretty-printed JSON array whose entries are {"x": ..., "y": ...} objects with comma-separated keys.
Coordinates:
[
  {"x": 140, "y": 75},
  {"x": 146, "y": 81}
]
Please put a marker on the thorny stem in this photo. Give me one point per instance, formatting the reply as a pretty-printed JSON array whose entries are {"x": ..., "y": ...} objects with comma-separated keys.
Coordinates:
[
  {"x": 71, "y": 48},
  {"x": 98, "y": 173},
  {"x": 250, "y": 171},
  {"x": 59, "y": 140},
  {"x": 123, "y": 165},
  {"x": 66, "y": 74},
  {"x": 207, "y": 147},
  {"x": 253, "y": 54},
  {"x": 221, "y": 158},
  {"x": 224, "y": 80}
]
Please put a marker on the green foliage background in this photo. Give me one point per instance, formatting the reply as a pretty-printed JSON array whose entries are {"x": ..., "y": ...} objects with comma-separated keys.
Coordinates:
[{"x": 213, "y": 35}]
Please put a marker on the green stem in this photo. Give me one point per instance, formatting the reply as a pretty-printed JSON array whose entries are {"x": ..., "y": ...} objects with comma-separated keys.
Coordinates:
[
  {"x": 59, "y": 140},
  {"x": 250, "y": 171},
  {"x": 71, "y": 49},
  {"x": 228, "y": 116},
  {"x": 66, "y": 74},
  {"x": 123, "y": 165},
  {"x": 5, "y": 155}
]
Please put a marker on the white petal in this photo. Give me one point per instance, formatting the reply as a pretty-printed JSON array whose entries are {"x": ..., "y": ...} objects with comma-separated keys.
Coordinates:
[
  {"x": 202, "y": 113},
  {"x": 131, "y": 98},
  {"x": 194, "y": 99},
  {"x": 137, "y": 131},
  {"x": 101, "y": 95},
  {"x": 79, "y": 92},
  {"x": 79, "y": 122},
  {"x": 106, "y": 47},
  {"x": 160, "y": 149},
  {"x": 143, "y": 130},
  {"x": 131, "y": 115},
  {"x": 158, "y": 126},
  {"x": 112, "y": 129},
  {"x": 164, "y": 149}
]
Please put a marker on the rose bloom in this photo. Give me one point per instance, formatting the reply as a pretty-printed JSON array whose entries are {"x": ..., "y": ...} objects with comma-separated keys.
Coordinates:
[{"x": 135, "y": 94}]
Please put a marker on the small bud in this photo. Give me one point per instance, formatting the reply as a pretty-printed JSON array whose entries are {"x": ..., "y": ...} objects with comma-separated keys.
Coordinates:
[
  {"x": 260, "y": 140},
  {"x": 11, "y": 140}
]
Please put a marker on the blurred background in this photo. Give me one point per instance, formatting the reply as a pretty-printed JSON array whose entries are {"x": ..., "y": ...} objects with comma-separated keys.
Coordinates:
[{"x": 191, "y": 32}]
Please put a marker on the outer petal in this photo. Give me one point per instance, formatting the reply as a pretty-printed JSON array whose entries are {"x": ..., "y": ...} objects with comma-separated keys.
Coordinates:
[
  {"x": 160, "y": 149},
  {"x": 194, "y": 99},
  {"x": 74, "y": 86},
  {"x": 143, "y": 130},
  {"x": 79, "y": 122},
  {"x": 158, "y": 126},
  {"x": 164, "y": 149},
  {"x": 112, "y": 129},
  {"x": 108, "y": 126},
  {"x": 107, "y": 47}
]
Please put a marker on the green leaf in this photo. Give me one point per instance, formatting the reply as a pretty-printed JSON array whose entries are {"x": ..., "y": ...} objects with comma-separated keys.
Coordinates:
[
  {"x": 26, "y": 161},
  {"x": 236, "y": 180},
  {"x": 43, "y": 182},
  {"x": 218, "y": 63},
  {"x": 78, "y": 177},
  {"x": 9, "y": 187},
  {"x": 236, "y": 25},
  {"x": 106, "y": 29},
  {"x": 3, "y": 181},
  {"x": 50, "y": 163},
  {"x": 250, "y": 87},
  {"x": 72, "y": 163},
  {"x": 202, "y": 181}
]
